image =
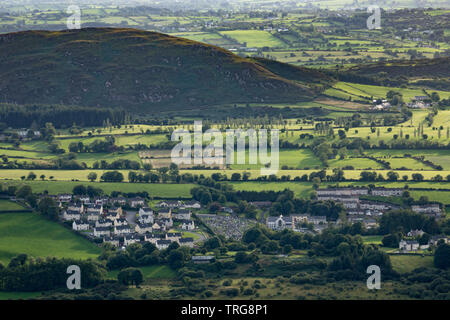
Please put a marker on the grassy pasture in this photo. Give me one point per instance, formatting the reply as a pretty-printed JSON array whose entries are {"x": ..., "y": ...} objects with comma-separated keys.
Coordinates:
[
  {"x": 407, "y": 263},
  {"x": 149, "y": 272},
  {"x": 154, "y": 190},
  {"x": 6, "y": 205},
  {"x": 254, "y": 38},
  {"x": 32, "y": 234}
]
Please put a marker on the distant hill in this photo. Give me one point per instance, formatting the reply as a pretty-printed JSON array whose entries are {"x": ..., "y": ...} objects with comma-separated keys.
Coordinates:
[
  {"x": 436, "y": 68},
  {"x": 140, "y": 70}
]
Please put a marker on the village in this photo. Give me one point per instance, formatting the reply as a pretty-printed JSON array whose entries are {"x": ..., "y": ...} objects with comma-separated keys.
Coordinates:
[
  {"x": 122, "y": 221},
  {"x": 367, "y": 212},
  {"x": 104, "y": 218}
]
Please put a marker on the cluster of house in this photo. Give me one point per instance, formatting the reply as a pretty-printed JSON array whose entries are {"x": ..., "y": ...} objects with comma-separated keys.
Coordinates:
[
  {"x": 296, "y": 221},
  {"x": 420, "y": 102},
  {"x": 384, "y": 105},
  {"x": 406, "y": 245},
  {"x": 365, "y": 210},
  {"x": 105, "y": 219}
]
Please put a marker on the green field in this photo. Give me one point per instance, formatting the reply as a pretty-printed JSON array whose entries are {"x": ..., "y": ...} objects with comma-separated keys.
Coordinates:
[
  {"x": 6, "y": 205},
  {"x": 154, "y": 190},
  {"x": 407, "y": 263},
  {"x": 34, "y": 235},
  {"x": 254, "y": 38},
  {"x": 150, "y": 272}
]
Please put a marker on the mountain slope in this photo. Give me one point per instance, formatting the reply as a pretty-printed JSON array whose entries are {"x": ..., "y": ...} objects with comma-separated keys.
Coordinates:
[
  {"x": 133, "y": 69},
  {"x": 436, "y": 68}
]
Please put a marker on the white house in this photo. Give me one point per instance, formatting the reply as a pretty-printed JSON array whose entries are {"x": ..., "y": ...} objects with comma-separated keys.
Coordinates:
[
  {"x": 122, "y": 229},
  {"x": 163, "y": 244},
  {"x": 408, "y": 245},
  {"x": 188, "y": 242},
  {"x": 113, "y": 240},
  {"x": 317, "y": 219},
  {"x": 187, "y": 225},
  {"x": 192, "y": 204},
  {"x": 120, "y": 222},
  {"x": 96, "y": 209},
  {"x": 64, "y": 197},
  {"x": 173, "y": 236},
  {"x": 169, "y": 204},
  {"x": 72, "y": 206},
  {"x": 103, "y": 223},
  {"x": 415, "y": 233},
  {"x": 102, "y": 231},
  {"x": 143, "y": 228},
  {"x": 130, "y": 238},
  {"x": 70, "y": 215},
  {"x": 182, "y": 214},
  {"x": 279, "y": 223},
  {"x": 430, "y": 208},
  {"x": 93, "y": 216},
  {"x": 436, "y": 239},
  {"x": 165, "y": 213},
  {"x": 386, "y": 192},
  {"x": 136, "y": 202},
  {"x": 145, "y": 211},
  {"x": 79, "y": 225}
]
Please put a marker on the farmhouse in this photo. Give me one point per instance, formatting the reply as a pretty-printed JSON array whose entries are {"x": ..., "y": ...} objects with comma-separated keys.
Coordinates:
[
  {"x": 79, "y": 225},
  {"x": 408, "y": 245}
]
